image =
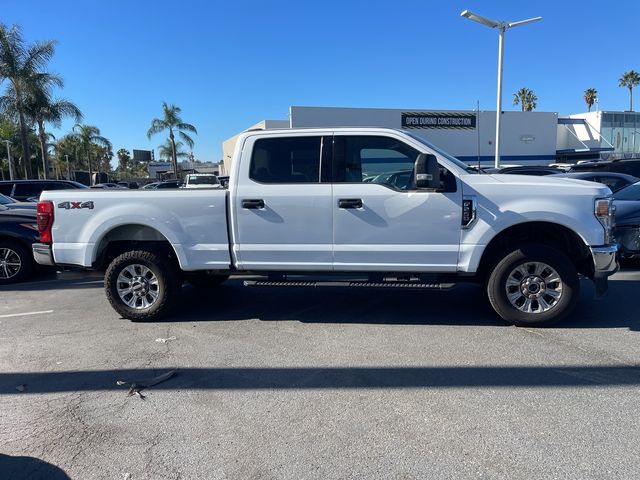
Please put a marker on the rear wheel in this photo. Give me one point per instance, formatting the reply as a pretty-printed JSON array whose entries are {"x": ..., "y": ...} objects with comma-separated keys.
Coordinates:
[
  {"x": 142, "y": 285},
  {"x": 534, "y": 285},
  {"x": 16, "y": 262}
]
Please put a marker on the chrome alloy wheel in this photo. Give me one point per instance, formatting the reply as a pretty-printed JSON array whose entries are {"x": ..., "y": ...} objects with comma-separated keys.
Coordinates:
[
  {"x": 10, "y": 263},
  {"x": 534, "y": 287},
  {"x": 137, "y": 286}
]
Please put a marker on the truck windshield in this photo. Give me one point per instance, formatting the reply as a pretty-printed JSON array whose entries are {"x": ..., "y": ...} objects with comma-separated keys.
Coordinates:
[
  {"x": 203, "y": 180},
  {"x": 446, "y": 155}
]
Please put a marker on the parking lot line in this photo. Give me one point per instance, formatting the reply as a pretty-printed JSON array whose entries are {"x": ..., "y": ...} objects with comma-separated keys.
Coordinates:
[{"x": 26, "y": 313}]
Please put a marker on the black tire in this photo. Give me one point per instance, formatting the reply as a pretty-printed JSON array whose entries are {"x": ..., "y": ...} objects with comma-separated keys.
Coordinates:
[
  {"x": 527, "y": 257},
  {"x": 205, "y": 280},
  {"x": 15, "y": 252},
  {"x": 167, "y": 278}
]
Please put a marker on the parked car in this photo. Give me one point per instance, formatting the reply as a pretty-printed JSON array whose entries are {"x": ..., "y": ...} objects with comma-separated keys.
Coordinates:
[
  {"x": 18, "y": 232},
  {"x": 201, "y": 180},
  {"x": 627, "y": 220},
  {"x": 13, "y": 203},
  {"x": 129, "y": 185},
  {"x": 295, "y": 224},
  {"x": 615, "y": 181},
  {"x": 537, "y": 170},
  {"x": 393, "y": 179},
  {"x": 109, "y": 186},
  {"x": 170, "y": 184},
  {"x": 22, "y": 190},
  {"x": 151, "y": 186},
  {"x": 630, "y": 167}
]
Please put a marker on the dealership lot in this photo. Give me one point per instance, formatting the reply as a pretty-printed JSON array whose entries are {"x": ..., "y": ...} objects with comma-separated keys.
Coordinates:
[{"x": 317, "y": 383}]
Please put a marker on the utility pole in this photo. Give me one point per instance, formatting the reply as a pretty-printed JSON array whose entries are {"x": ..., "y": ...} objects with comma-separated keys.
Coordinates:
[{"x": 9, "y": 158}]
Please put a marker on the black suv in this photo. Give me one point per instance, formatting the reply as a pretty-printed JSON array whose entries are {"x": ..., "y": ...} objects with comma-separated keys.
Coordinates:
[
  {"x": 22, "y": 190},
  {"x": 630, "y": 167}
]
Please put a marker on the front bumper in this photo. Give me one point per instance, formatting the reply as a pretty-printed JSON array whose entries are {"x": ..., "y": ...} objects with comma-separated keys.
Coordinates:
[
  {"x": 42, "y": 254},
  {"x": 605, "y": 264}
]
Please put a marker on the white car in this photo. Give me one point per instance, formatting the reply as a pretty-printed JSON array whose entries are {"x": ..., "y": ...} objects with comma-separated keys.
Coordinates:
[
  {"x": 201, "y": 180},
  {"x": 299, "y": 213}
]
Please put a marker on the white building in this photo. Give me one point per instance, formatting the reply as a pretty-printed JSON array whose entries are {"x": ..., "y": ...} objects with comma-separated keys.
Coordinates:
[{"x": 534, "y": 138}]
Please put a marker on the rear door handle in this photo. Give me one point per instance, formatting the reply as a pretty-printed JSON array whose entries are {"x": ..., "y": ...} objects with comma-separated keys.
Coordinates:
[
  {"x": 350, "y": 203},
  {"x": 253, "y": 203}
]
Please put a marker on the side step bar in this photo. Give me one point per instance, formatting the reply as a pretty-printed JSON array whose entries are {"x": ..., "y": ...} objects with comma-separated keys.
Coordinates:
[{"x": 300, "y": 283}]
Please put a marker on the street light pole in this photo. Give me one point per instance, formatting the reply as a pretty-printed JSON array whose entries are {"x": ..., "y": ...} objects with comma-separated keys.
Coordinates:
[
  {"x": 9, "y": 158},
  {"x": 502, "y": 27},
  {"x": 68, "y": 169},
  {"x": 499, "y": 95}
]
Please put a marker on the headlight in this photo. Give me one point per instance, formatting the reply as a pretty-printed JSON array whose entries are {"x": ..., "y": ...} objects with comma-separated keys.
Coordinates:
[{"x": 603, "y": 210}]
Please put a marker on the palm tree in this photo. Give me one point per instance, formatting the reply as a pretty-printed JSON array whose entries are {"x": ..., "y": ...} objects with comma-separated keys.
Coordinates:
[
  {"x": 629, "y": 79},
  {"x": 171, "y": 121},
  {"x": 165, "y": 151},
  {"x": 42, "y": 108},
  {"x": 526, "y": 98},
  {"x": 123, "y": 160},
  {"x": 590, "y": 97},
  {"x": 21, "y": 65},
  {"x": 89, "y": 137}
]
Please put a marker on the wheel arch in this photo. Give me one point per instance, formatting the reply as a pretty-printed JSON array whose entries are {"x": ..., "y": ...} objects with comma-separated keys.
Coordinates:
[
  {"x": 131, "y": 236},
  {"x": 539, "y": 232}
]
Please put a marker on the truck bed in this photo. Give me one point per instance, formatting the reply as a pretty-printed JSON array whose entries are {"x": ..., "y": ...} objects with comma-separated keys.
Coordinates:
[{"x": 193, "y": 221}]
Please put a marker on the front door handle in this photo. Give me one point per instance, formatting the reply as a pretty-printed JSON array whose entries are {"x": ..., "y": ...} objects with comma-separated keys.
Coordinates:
[
  {"x": 350, "y": 203},
  {"x": 253, "y": 203}
]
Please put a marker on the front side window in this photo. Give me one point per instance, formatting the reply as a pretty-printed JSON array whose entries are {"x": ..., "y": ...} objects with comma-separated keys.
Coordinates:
[
  {"x": 286, "y": 160},
  {"x": 381, "y": 160}
]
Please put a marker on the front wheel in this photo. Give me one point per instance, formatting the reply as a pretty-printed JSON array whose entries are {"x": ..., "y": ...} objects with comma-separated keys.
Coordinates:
[
  {"x": 142, "y": 285},
  {"x": 534, "y": 285}
]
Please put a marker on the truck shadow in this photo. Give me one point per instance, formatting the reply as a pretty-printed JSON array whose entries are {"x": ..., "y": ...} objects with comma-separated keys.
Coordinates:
[{"x": 466, "y": 305}]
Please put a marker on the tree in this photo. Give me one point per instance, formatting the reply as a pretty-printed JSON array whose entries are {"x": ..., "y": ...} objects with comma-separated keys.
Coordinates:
[
  {"x": 42, "y": 108},
  {"x": 629, "y": 79},
  {"x": 166, "y": 150},
  {"x": 124, "y": 157},
  {"x": 89, "y": 138},
  {"x": 526, "y": 99},
  {"x": 172, "y": 121},
  {"x": 590, "y": 97},
  {"x": 21, "y": 65}
]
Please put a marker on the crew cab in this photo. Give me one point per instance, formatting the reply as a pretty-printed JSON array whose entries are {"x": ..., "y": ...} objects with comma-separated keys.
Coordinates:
[{"x": 299, "y": 213}]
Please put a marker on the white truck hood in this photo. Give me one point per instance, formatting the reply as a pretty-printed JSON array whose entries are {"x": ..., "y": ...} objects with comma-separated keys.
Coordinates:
[{"x": 540, "y": 185}]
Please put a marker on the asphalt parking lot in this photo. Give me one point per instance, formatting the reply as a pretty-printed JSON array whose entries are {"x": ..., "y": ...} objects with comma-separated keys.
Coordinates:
[{"x": 316, "y": 383}]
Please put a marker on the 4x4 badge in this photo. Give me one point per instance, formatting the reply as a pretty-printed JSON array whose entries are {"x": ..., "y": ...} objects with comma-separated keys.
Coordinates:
[{"x": 75, "y": 205}]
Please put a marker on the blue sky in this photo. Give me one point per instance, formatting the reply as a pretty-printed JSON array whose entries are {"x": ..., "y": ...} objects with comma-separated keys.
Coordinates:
[{"x": 231, "y": 64}]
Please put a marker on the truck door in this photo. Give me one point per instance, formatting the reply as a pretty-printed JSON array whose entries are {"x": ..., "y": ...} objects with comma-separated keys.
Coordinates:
[
  {"x": 381, "y": 222},
  {"x": 283, "y": 216}
]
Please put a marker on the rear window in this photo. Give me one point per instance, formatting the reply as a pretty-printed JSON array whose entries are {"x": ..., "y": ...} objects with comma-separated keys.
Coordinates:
[{"x": 6, "y": 188}]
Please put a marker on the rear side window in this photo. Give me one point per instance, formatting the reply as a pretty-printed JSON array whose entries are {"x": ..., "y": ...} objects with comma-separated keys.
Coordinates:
[
  {"x": 29, "y": 189},
  {"x": 286, "y": 160},
  {"x": 6, "y": 189}
]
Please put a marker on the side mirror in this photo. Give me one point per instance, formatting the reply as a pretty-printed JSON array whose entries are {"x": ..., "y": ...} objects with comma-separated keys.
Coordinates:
[{"x": 427, "y": 172}]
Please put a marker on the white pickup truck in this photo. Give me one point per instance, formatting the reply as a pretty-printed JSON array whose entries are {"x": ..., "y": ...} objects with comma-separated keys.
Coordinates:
[{"x": 302, "y": 210}]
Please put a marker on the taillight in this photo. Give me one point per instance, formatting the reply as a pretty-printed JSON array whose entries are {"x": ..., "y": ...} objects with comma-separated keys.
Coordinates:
[{"x": 44, "y": 219}]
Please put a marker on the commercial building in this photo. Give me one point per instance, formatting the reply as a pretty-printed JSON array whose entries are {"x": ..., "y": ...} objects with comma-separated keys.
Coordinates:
[{"x": 534, "y": 138}]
